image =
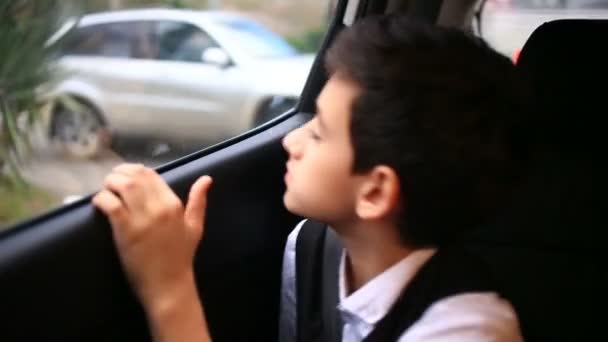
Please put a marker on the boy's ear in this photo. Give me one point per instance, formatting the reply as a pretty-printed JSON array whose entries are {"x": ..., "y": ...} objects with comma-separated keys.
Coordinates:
[{"x": 379, "y": 193}]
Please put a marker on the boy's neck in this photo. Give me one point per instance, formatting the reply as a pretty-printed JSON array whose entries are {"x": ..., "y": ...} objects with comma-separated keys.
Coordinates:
[{"x": 370, "y": 250}]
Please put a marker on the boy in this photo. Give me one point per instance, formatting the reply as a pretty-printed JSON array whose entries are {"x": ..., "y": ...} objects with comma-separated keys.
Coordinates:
[{"x": 412, "y": 145}]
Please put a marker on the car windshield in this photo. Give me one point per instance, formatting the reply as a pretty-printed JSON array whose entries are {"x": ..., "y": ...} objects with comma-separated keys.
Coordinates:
[{"x": 255, "y": 40}]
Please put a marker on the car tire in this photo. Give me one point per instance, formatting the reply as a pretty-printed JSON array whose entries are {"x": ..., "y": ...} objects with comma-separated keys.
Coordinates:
[{"x": 79, "y": 132}]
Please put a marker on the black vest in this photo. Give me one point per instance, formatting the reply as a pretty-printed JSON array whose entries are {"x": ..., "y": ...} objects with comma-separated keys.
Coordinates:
[{"x": 318, "y": 250}]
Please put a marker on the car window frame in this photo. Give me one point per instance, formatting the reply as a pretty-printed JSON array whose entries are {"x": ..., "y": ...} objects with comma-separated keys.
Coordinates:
[
  {"x": 157, "y": 36},
  {"x": 82, "y": 34},
  {"x": 122, "y": 26}
]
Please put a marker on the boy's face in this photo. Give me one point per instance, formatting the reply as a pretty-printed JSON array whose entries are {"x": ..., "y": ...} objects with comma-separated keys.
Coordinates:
[{"x": 319, "y": 178}]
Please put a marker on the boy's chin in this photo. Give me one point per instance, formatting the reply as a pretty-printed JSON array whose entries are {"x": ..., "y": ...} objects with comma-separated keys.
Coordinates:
[
  {"x": 289, "y": 205},
  {"x": 292, "y": 206}
]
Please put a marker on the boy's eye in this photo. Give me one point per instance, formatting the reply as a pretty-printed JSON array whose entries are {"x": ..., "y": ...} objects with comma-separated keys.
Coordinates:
[{"x": 313, "y": 134}]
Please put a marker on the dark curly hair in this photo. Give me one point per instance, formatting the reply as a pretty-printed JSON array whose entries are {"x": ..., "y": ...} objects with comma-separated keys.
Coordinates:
[{"x": 441, "y": 108}]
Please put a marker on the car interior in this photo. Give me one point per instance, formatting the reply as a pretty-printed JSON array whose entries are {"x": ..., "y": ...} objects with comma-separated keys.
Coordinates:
[{"x": 60, "y": 278}]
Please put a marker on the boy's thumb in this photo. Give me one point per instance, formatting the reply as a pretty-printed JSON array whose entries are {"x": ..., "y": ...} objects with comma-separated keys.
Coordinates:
[{"x": 194, "y": 214}]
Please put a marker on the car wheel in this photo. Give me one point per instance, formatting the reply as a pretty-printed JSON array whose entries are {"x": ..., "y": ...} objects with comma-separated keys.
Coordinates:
[{"x": 79, "y": 130}]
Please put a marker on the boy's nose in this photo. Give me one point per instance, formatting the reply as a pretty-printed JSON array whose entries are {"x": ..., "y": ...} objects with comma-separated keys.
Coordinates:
[
  {"x": 285, "y": 142},
  {"x": 289, "y": 142}
]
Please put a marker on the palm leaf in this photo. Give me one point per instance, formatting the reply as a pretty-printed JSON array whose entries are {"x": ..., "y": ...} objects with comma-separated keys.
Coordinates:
[{"x": 25, "y": 66}]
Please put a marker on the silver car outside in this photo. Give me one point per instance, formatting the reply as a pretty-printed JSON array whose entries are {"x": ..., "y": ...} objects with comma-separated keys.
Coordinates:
[{"x": 175, "y": 75}]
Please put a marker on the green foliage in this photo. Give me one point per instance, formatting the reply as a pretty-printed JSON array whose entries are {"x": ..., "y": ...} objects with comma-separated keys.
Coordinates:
[
  {"x": 309, "y": 41},
  {"x": 19, "y": 201},
  {"x": 176, "y": 3},
  {"x": 25, "y": 65}
]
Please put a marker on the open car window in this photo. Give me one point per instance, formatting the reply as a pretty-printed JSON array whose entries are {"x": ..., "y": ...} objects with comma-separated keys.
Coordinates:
[{"x": 139, "y": 81}]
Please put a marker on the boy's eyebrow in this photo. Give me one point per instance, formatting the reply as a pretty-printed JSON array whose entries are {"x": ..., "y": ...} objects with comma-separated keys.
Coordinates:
[{"x": 322, "y": 125}]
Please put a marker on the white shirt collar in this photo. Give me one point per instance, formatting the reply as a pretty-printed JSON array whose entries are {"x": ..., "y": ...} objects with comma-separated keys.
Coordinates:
[{"x": 373, "y": 301}]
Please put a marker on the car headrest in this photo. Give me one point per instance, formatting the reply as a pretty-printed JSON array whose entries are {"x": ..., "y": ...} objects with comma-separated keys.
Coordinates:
[
  {"x": 566, "y": 63},
  {"x": 560, "y": 207},
  {"x": 548, "y": 249}
]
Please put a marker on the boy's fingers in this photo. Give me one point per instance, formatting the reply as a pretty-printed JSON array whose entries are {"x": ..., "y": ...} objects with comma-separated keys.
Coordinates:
[
  {"x": 130, "y": 169},
  {"x": 146, "y": 179},
  {"x": 151, "y": 189},
  {"x": 111, "y": 206},
  {"x": 194, "y": 215},
  {"x": 127, "y": 189}
]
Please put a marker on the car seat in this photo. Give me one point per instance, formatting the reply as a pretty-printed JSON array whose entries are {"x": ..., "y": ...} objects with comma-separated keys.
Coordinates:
[{"x": 546, "y": 249}]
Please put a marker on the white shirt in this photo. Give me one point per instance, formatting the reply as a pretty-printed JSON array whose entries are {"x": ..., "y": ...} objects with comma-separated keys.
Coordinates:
[{"x": 475, "y": 316}]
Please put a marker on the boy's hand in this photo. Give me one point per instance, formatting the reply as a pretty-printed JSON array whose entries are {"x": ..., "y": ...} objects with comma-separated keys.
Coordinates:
[{"x": 155, "y": 235}]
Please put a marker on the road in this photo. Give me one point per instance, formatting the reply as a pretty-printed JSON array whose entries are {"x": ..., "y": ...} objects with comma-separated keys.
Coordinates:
[{"x": 69, "y": 177}]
